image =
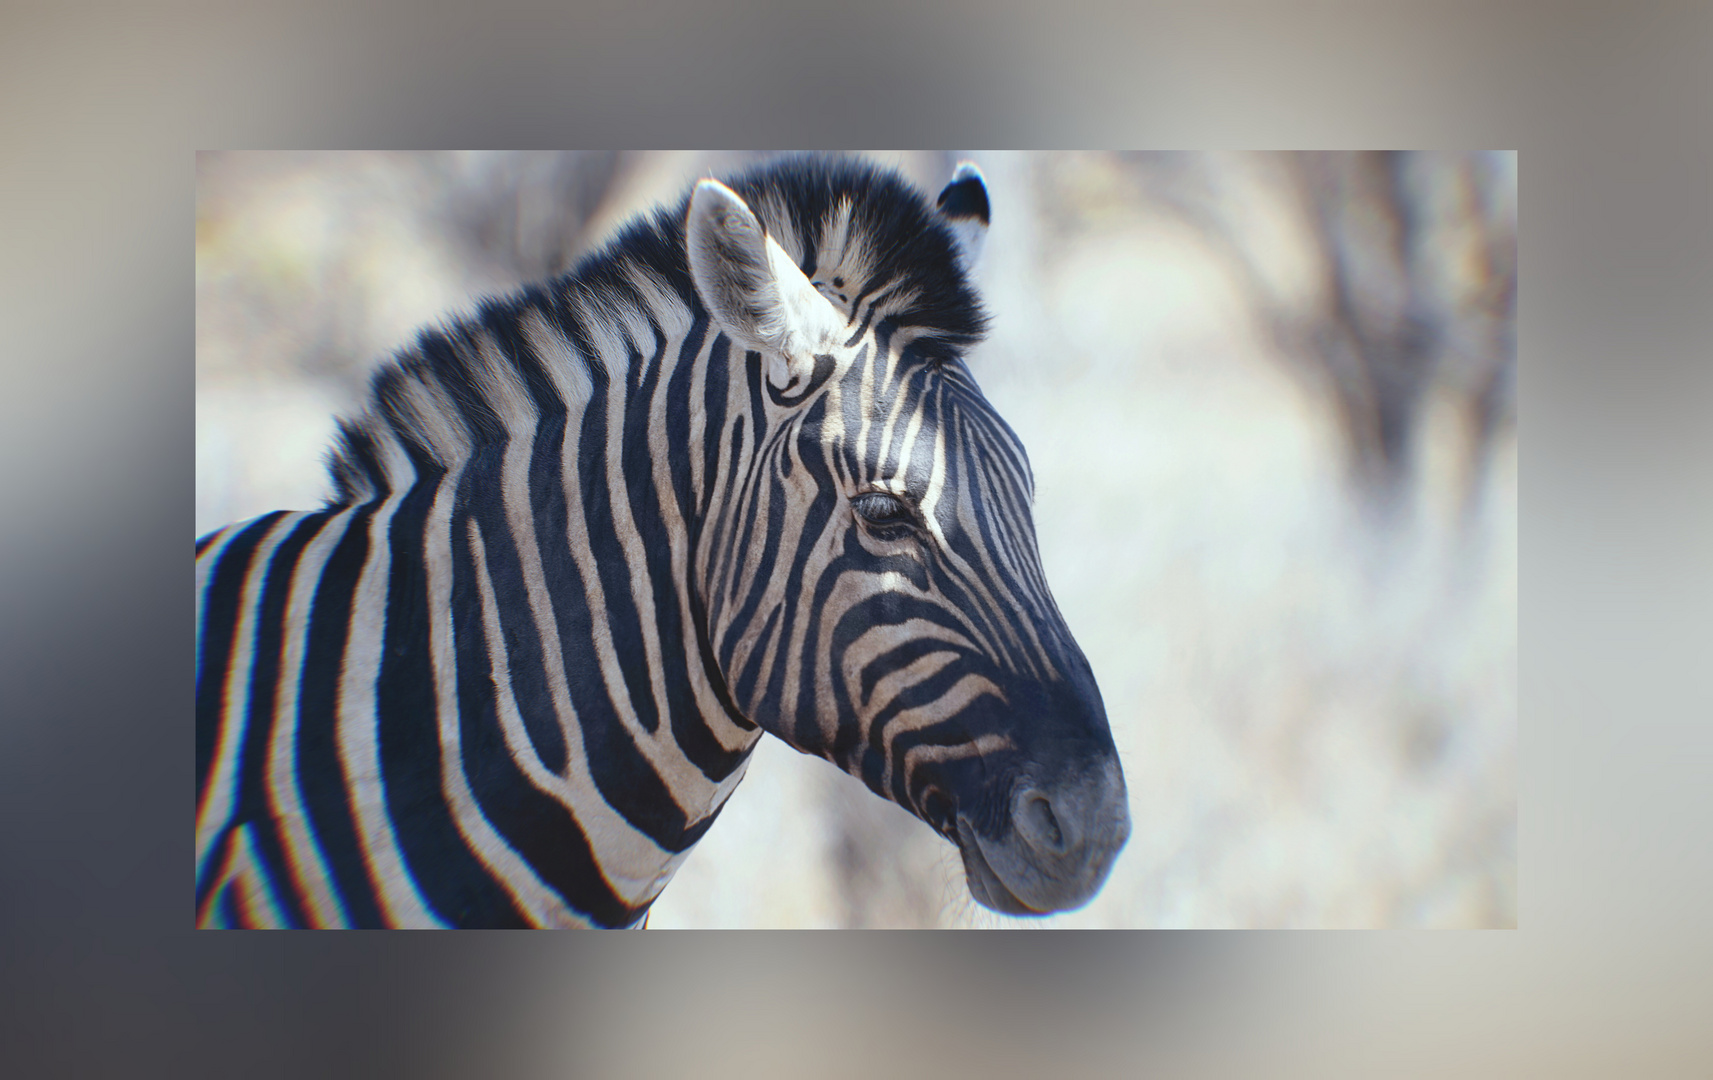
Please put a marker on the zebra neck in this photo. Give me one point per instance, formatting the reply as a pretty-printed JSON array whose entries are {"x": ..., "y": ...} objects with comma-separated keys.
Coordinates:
[
  {"x": 546, "y": 474},
  {"x": 569, "y": 547}
]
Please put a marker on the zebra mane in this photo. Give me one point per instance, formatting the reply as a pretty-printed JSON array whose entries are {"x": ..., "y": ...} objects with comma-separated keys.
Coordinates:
[{"x": 866, "y": 236}]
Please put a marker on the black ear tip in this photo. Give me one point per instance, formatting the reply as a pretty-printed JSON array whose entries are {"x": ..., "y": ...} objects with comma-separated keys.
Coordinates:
[{"x": 965, "y": 198}]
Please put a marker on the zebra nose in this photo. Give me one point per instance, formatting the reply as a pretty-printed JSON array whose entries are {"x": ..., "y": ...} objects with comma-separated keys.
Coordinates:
[
  {"x": 1077, "y": 817},
  {"x": 1065, "y": 834},
  {"x": 1039, "y": 825}
]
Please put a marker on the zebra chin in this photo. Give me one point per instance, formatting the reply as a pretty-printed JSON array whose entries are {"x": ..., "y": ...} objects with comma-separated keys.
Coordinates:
[{"x": 1057, "y": 848}]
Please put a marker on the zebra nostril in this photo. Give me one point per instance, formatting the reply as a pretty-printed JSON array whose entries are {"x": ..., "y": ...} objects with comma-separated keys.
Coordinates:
[{"x": 1040, "y": 826}]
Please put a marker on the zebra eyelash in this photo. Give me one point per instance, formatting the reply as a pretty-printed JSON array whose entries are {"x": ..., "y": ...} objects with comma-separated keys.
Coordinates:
[{"x": 882, "y": 508}]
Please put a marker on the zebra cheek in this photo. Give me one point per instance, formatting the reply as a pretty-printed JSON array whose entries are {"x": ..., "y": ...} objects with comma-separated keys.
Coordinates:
[
  {"x": 899, "y": 566},
  {"x": 915, "y": 571}
]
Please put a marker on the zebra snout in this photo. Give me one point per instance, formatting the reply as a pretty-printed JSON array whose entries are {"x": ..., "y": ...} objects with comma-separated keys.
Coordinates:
[
  {"x": 1083, "y": 819},
  {"x": 1064, "y": 837}
]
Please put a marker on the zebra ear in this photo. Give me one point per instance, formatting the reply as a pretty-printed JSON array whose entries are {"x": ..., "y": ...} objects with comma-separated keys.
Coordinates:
[
  {"x": 753, "y": 289},
  {"x": 963, "y": 204}
]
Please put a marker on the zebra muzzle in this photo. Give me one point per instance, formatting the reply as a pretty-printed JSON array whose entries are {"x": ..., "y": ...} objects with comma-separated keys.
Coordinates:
[{"x": 1059, "y": 848}]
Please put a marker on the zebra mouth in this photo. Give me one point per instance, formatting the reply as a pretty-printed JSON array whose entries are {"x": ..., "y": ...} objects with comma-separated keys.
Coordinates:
[{"x": 984, "y": 883}]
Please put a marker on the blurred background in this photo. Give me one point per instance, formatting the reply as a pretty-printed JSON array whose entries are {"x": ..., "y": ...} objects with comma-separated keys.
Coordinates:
[{"x": 1269, "y": 400}]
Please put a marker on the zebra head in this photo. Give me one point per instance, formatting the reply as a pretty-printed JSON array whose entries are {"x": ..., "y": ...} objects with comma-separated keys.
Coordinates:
[{"x": 869, "y": 570}]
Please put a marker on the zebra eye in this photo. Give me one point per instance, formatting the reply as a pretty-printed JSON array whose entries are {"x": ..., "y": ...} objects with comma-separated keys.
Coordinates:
[{"x": 879, "y": 508}]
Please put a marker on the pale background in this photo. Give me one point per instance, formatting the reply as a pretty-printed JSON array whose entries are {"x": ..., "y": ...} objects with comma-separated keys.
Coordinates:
[{"x": 1283, "y": 528}]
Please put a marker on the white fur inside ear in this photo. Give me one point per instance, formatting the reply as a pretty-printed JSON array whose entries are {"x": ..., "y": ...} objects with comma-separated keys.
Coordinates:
[
  {"x": 753, "y": 289},
  {"x": 729, "y": 263},
  {"x": 811, "y": 323}
]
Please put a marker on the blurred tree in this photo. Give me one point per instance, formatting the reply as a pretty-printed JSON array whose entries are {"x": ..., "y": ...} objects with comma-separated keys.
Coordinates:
[
  {"x": 526, "y": 213},
  {"x": 1400, "y": 275}
]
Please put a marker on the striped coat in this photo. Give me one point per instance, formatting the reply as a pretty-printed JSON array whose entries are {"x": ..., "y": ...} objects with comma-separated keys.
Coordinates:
[{"x": 729, "y": 475}]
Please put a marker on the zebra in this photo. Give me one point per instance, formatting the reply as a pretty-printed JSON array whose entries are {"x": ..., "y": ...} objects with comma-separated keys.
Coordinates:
[{"x": 729, "y": 475}]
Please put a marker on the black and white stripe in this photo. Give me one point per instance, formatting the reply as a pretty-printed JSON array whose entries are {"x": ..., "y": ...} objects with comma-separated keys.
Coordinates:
[{"x": 729, "y": 475}]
